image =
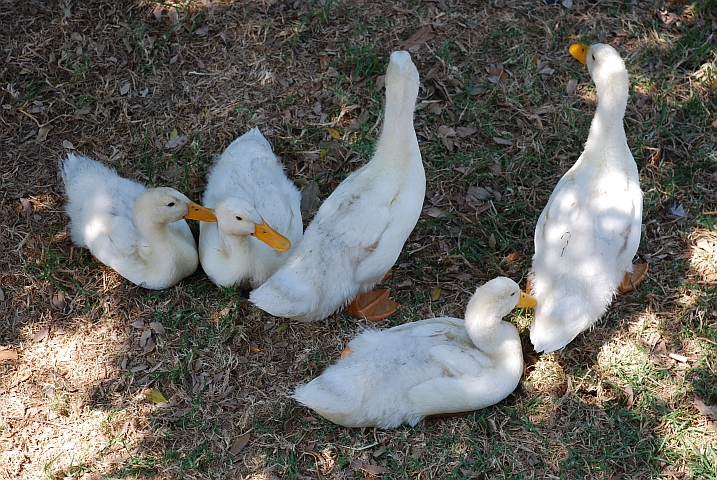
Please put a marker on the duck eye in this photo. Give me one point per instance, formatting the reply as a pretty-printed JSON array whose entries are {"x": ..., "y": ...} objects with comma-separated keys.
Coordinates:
[
  {"x": 512, "y": 294},
  {"x": 170, "y": 204},
  {"x": 593, "y": 55},
  {"x": 239, "y": 218}
]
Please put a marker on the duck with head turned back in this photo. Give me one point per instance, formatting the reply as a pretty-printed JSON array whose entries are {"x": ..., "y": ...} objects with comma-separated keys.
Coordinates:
[
  {"x": 427, "y": 368},
  {"x": 359, "y": 231},
  {"x": 140, "y": 232},
  {"x": 589, "y": 231}
]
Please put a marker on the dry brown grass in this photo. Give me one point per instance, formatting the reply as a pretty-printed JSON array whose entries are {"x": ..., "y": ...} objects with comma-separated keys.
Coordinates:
[{"x": 113, "y": 81}]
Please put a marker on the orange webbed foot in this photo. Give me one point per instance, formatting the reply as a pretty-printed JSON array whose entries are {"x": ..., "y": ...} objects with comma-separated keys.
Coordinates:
[
  {"x": 633, "y": 279},
  {"x": 373, "y": 306}
]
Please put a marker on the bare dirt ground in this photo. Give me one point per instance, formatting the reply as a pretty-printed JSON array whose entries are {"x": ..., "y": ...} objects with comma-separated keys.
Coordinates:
[{"x": 157, "y": 89}]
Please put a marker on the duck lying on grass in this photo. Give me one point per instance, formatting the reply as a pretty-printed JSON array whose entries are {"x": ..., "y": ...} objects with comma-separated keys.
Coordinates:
[
  {"x": 248, "y": 191},
  {"x": 435, "y": 366},
  {"x": 589, "y": 231},
  {"x": 140, "y": 232}
]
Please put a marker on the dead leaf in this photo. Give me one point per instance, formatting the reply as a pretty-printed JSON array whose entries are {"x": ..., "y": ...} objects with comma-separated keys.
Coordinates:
[
  {"x": 154, "y": 395},
  {"x": 58, "y": 300},
  {"x": 630, "y": 394},
  {"x": 157, "y": 327},
  {"x": 704, "y": 409},
  {"x": 334, "y": 133},
  {"x": 479, "y": 193},
  {"x": 158, "y": 12},
  {"x": 41, "y": 335},
  {"x": 125, "y": 89},
  {"x": 415, "y": 41},
  {"x": 177, "y": 142},
  {"x": 435, "y": 212},
  {"x": 491, "y": 241},
  {"x": 358, "y": 464},
  {"x": 502, "y": 141},
  {"x": 309, "y": 198},
  {"x": 436, "y": 293},
  {"x": 42, "y": 133},
  {"x": 567, "y": 3},
  {"x": 27, "y": 206},
  {"x": 679, "y": 358},
  {"x": 137, "y": 324},
  {"x": 512, "y": 257},
  {"x": 8, "y": 355},
  {"x": 83, "y": 111},
  {"x": 497, "y": 73},
  {"x": 173, "y": 15},
  {"x": 68, "y": 145},
  {"x": 281, "y": 329},
  {"x": 445, "y": 131},
  {"x": 466, "y": 131},
  {"x": 571, "y": 86},
  {"x": 240, "y": 443},
  {"x": 714, "y": 125},
  {"x": 144, "y": 337}
]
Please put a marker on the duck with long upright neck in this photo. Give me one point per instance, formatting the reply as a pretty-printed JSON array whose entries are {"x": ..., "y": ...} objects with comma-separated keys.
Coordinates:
[
  {"x": 359, "y": 231},
  {"x": 589, "y": 231},
  {"x": 431, "y": 367},
  {"x": 138, "y": 231}
]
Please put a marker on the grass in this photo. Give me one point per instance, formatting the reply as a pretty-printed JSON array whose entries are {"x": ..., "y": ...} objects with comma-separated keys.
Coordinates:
[{"x": 618, "y": 401}]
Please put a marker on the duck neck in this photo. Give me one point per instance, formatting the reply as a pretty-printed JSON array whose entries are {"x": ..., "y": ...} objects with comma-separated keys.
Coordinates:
[
  {"x": 159, "y": 237},
  {"x": 485, "y": 326},
  {"x": 398, "y": 143},
  {"x": 607, "y": 123}
]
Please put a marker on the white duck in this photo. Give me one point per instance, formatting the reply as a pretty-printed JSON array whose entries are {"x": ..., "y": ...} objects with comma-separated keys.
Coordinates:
[
  {"x": 436, "y": 366},
  {"x": 248, "y": 190},
  {"x": 138, "y": 231},
  {"x": 589, "y": 231},
  {"x": 359, "y": 231}
]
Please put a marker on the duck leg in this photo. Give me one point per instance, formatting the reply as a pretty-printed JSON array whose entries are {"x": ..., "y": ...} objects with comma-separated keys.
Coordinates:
[
  {"x": 375, "y": 305},
  {"x": 633, "y": 279}
]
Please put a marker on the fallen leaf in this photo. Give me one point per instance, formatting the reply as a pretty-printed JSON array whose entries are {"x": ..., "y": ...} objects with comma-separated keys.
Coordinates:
[
  {"x": 309, "y": 198},
  {"x": 148, "y": 346},
  {"x": 282, "y": 328},
  {"x": 26, "y": 205},
  {"x": 479, "y": 193},
  {"x": 445, "y": 131},
  {"x": 567, "y": 3},
  {"x": 83, "y": 111},
  {"x": 173, "y": 15},
  {"x": 158, "y": 12},
  {"x": 466, "y": 131},
  {"x": 512, "y": 257},
  {"x": 714, "y": 125},
  {"x": 358, "y": 464},
  {"x": 68, "y": 145},
  {"x": 497, "y": 74},
  {"x": 137, "y": 324},
  {"x": 571, "y": 86},
  {"x": 144, "y": 337},
  {"x": 436, "y": 293},
  {"x": 435, "y": 212},
  {"x": 546, "y": 71},
  {"x": 704, "y": 409},
  {"x": 679, "y": 358},
  {"x": 58, "y": 300},
  {"x": 502, "y": 141},
  {"x": 125, "y": 89},
  {"x": 41, "y": 335},
  {"x": 8, "y": 355},
  {"x": 157, "y": 327},
  {"x": 630, "y": 394},
  {"x": 491, "y": 241},
  {"x": 240, "y": 443},
  {"x": 677, "y": 210},
  {"x": 415, "y": 41},
  {"x": 42, "y": 133},
  {"x": 334, "y": 133},
  {"x": 177, "y": 142},
  {"x": 154, "y": 396}
]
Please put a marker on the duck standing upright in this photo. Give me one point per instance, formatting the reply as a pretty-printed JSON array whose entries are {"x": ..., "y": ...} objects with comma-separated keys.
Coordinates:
[
  {"x": 249, "y": 192},
  {"x": 138, "y": 231},
  {"x": 435, "y": 366},
  {"x": 359, "y": 231},
  {"x": 589, "y": 231}
]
